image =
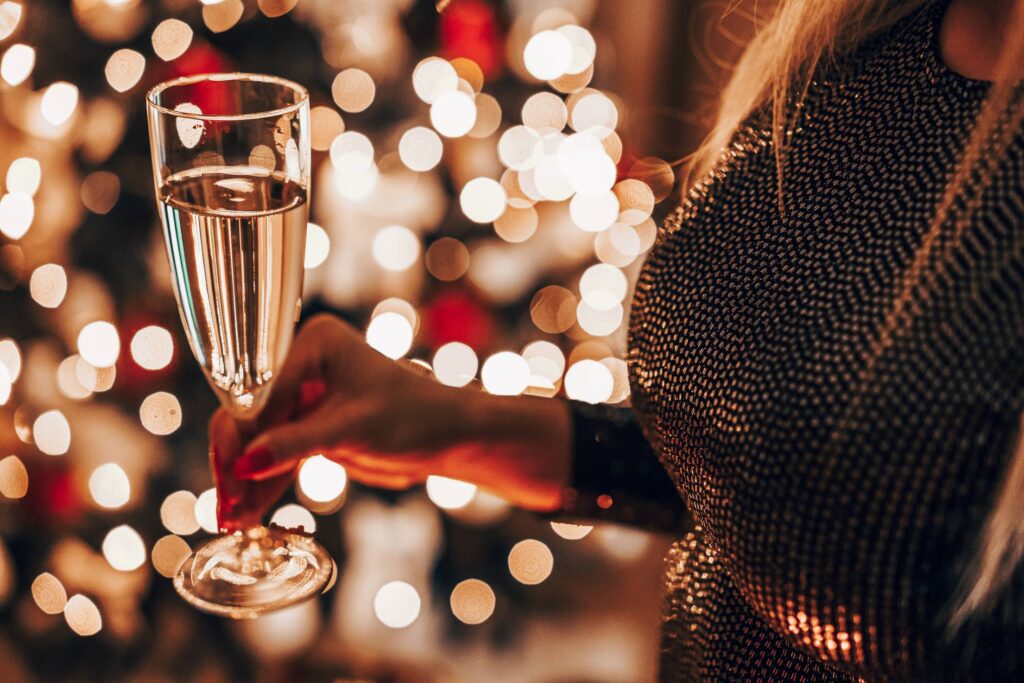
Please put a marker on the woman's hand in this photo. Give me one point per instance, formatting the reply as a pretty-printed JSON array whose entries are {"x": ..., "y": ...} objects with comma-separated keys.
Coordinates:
[{"x": 389, "y": 425}]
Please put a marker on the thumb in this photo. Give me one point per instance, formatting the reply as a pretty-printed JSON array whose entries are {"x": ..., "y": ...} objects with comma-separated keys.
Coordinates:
[{"x": 279, "y": 449}]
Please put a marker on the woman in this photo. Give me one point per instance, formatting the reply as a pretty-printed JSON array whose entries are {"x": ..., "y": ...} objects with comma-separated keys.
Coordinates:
[{"x": 826, "y": 355}]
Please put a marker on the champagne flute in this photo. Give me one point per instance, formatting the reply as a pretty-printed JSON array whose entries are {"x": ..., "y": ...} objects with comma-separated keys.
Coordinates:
[{"x": 231, "y": 166}]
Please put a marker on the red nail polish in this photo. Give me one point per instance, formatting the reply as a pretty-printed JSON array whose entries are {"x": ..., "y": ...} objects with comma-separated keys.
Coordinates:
[{"x": 253, "y": 462}]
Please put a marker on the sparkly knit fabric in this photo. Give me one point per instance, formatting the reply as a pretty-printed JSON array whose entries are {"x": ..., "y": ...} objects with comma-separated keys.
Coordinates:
[{"x": 831, "y": 517}]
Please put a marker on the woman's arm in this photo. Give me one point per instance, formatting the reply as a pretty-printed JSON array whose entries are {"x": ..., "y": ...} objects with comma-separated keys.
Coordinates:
[{"x": 391, "y": 427}]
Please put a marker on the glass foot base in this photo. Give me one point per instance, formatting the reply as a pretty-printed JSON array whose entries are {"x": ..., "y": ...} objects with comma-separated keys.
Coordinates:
[{"x": 243, "y": 575}]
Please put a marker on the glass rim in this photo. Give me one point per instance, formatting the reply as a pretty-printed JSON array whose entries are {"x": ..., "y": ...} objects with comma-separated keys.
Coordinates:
[{"x": 303, "y": 95}]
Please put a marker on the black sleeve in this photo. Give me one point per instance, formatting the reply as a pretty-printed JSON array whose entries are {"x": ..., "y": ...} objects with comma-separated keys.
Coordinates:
[{"x": 616, "y": 475}]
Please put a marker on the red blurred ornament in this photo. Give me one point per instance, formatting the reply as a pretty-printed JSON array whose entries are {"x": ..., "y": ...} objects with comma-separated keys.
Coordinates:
[
  {"x": 454, "y": 315},
  {"x": 470, "y": 29}
]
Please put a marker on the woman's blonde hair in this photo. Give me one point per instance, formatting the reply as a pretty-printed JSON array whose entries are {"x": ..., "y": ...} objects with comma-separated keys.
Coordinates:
[{"x": 776, "y": 69}]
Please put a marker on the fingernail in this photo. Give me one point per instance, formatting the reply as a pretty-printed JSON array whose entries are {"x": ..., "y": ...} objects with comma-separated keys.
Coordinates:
[{"x": 253, "y": 462}]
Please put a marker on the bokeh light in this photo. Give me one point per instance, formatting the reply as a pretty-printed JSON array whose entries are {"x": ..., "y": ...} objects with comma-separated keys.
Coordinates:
[
  {"x": 482, "y": 200},
  {"x": 152, "y": 347},
  {"x": 49, "y": 593},
  {"x": 505, "y": 374},
  {"x": 571, "y": 532},
  {"x": 123, "y": 548},
  {"x": 17, "y": 64},
  {"x": 24, "y": 175},
  {"x": 178, "y": 513},
  {"x": 124, "y": 69},
  {"x": 455, "y": 364},
  {"x": 59, "y": 102},
  {"x": 472, "y": 601},
  {"x": 100, "y": 192},
  {"x": 434, "y": 77},
  {"x": 48, "y": 285},
  {"x": 82, "y": 615},
  {"x": 447, "y": 259},
  {"x": 171, "y": 38},
  {"x": 160, "y": 413},
  {"x": 391, "y": 334},
  {"x": 589, "y": 381},
  {"x": 52, "y": 433},
  {"x": 530, "y": 562},
  {"x": 168, "y": 554},
  {"x": 420, "y": 149},
  {"x": 294, "y": 516},
  {"x": 353, "y": 90},
  {"x": 206, "y": 510},
  {"x": 548, "y": 55},
  {"x": 453, "y": 114},
  {"x": 322, "y": 480},
  {"x": 318, "y": 246},
  {"x": 325, "y": 124},
  {"x": 397, "y": 604},
  {"x": 99, "y": 344},
  {"x": 16, "y": 213},
  {"x": 13, "y": 478},
  {"x": 396, "y": 248},
  {"x": 109, "y": 486},
  {"x": 449, "y": 494}
]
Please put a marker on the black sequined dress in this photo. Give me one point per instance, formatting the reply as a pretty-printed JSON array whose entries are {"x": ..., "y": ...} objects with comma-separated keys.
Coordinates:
[{"x": 807, "y": 556}]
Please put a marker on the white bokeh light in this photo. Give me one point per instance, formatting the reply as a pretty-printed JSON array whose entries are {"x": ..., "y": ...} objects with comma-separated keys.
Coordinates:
[
  {"x": 24, "y": 175},
  {"x": 505, "y": 374},
  {"x": 52, "y": 433},
  {"x": 123, "y": 548},
  {"x": 397, "y": 604},
  {"x": 589, "y": 381},
  {"x": 390, "y": 334},
  {"x": 16, "y": 213},
  {"x": 109, "y": 486},
  {"x": 17, "y": 64},
  {"x": 99, "y": 344},
  {"x": 482, "y": 200},
  {"x": 548, "y": 55},
  {"x": 152, "y": 347},
  {"x": 455, "y": 364},
  {"x": 449, "y": 494},
  {"x": 59, "y": 102},
  {"x": 453, "y": 114},
  {"x": 395, "y": 248},
  {"x": 322, "y": 480},
  {"x": 318, "y": 246},
  {"x": 420, "y": 149}
]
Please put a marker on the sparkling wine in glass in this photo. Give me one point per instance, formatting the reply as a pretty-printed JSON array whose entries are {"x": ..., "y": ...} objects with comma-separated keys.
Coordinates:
[{"x": 231, "y": 167}]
